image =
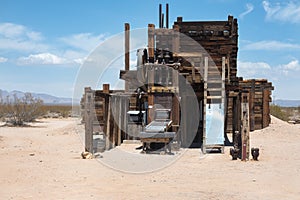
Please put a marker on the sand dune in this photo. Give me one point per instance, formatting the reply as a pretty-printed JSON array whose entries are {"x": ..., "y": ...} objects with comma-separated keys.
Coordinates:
[{"x": 44, "y": 162}]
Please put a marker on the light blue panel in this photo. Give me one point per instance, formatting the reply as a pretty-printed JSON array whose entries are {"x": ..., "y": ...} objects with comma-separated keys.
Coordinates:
[{"x": 214, "y": 124}]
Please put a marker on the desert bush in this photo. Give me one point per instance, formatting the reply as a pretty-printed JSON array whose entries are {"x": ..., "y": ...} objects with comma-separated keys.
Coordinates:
[
  {"x": 17, "y": 110},
  {"x": 278, "y": 112},
  {"x": 61, "y": 110}
]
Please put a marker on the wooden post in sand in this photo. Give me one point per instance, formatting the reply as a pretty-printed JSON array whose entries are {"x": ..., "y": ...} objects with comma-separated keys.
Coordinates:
[
  {"x": 245, "y": 126},
  {"x": 88, "y": 109},
  {"x": 127, "y": 55},
  {"x": 107, "y": 125}
]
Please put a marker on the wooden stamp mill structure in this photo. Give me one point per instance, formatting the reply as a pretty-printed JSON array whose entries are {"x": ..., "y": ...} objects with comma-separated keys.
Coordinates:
[{"x": 185, "y": 88}]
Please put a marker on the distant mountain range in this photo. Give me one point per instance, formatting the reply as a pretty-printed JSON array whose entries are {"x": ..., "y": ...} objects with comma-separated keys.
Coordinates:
[
  {"x": 47, "y": 99},
  {"x": 287, "y": 103}
]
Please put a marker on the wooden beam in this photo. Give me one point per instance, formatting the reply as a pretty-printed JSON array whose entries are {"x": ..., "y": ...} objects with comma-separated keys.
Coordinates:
[
  {"x": 151, "y": 30},
  {"x": 127, "y": 45},
  {"x": 120, "y": 115},
  {"x": 150, "y": 107},
  {"x": 89, "y": 117},
  {"x": 114, "y": 122},
  {"x": 228, "y": 67},
  {"x": 251, "y": 105},
  {"x": 204, "y": 105},
  {"x": 193, "y": 71},
  {"x": 175, "y": 110},
  {"x": 175, "y": 41},
  {"x": 245, "y": 127},
  {"x": 107, "y": 133},
  {"x": 105, "y": 88},
  {"x": 127, "y": 49},
  {"x": 223, "y": 80}
]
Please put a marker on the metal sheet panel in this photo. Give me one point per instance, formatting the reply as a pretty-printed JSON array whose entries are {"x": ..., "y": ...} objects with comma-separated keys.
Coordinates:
[
  {"x": 158, "y": 126},
  {"x": 215, "y": 124}
]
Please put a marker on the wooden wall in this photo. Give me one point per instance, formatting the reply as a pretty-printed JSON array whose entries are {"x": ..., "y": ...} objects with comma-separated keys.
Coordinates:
[
  {"x": 260, "y": 91},
  {"x": 218, "y": 38}
]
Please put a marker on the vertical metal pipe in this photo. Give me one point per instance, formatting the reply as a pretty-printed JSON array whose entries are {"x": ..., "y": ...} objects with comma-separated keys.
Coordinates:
[
  {"x": 162, "y": 20},
  {"x": 127, "y": 38},
  {"x": 167, "y": 15},
  {"x": 160, "y": 12}
]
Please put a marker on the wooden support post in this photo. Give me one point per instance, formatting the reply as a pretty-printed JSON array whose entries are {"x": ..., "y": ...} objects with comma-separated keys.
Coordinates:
[
  {"x": 108, "y": 128},
  {"x": 223, "y": 97},
  {"x": 251, "y": 105},
  {"x": 184, "y": 125},
  {"x": 175, "y": 41},
  {"x": 116, "y": 118},
  {"x": 204, "y": 104},
  {"x": 105, "y": 88},
  {"x": 236, "y": 116},
  {"x": 223, "y": 81},
  {"x": 245, "y": 127},
  {"x": 89, "y": 116},
  {"x": 175, "y": 110},
  {"x": 151, "y": 77},
  {"x": 120, "y": 115},
  {"x": 127, "y": 49},
  {"x": 266, "y": 108},
  {"x": 175, "y": 81},
  {"x": 150, "y": 107},
  {"x": 106, "y": 115},
  {"x": 193, "y": 71},
  {"x": 125, "y": 120},
  {"x": 114, "y": 123},
  {"x": 151, "y": 30},
  {"x": 228, "y": 67}
]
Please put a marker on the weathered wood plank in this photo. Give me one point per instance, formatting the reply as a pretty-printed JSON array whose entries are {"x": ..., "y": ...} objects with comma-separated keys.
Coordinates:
[{"x": 89, "y": 116}]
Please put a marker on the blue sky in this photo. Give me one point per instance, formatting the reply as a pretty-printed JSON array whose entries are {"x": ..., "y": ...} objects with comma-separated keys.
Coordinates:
[{"x": 43, "y": 43}]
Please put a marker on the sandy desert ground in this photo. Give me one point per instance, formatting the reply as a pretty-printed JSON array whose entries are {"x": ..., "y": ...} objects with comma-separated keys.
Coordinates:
[{"x": 44, "y": 162}]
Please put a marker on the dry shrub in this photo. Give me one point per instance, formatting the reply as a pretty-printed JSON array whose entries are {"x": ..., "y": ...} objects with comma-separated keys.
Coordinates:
[
  {"x": 60, "y": 110},
  {"x": 17, "y": 110},
  {"x": 279, "y": 112}
]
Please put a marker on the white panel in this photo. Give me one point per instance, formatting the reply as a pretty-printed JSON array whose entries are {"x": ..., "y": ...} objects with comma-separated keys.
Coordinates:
[{"x": 214, "y": 124}]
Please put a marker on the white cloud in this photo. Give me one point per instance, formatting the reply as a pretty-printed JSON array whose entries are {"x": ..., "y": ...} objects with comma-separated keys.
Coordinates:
[
  {"x": 285, "y": 12},
  {"x": 292, "y": 66},
  {"x": 249, "y": 9},
  {"x": 270, "y": 45},
  {"x": 42, "y": 59},
  {"x": 264, "y": 70},
  {"x": 77, "y": 57},
  {"x": 84, "y": 41},
  {"x": 22, "y": 46},
  {"x": 20, "y": 38},
  {"x": 72, "y": 50},
  {"x": 253, "y": 69},
  {"x": 10, "y": 30},
  {"x": 35, "y": 36},
  {"x": 16, "y": 31},
  {"x": 3, "y": 60}
]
